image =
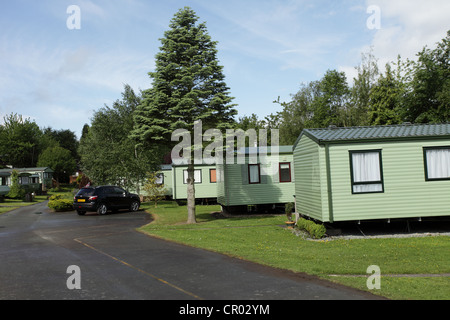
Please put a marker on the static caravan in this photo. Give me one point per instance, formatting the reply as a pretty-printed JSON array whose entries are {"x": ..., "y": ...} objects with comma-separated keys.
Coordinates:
[
  {"x": 370, "y": 173},
  {"x": 165, "y": 177},
  {"x": 36, "y": 179},
  {"x": 205, "y": 182},
  {"x": 5, "y": 176},
  {"x": 264, "y": 180}
]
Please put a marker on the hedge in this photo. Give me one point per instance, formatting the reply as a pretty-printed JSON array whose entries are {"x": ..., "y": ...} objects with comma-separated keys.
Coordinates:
[
  {"x": 316, "y": 231},
  {"x": 60, "y": 204}
]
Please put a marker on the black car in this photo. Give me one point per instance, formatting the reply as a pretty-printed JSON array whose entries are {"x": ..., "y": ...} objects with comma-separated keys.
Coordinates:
[{"x": 104, "y": 198}]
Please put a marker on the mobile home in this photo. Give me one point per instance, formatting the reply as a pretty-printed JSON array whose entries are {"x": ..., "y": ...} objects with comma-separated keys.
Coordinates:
[
  {"x": 36, "y": 179},
  {"x": 266, "y": 181},
  {"x": 369, "y": 173},
  {"x": 205, "y": 182}
]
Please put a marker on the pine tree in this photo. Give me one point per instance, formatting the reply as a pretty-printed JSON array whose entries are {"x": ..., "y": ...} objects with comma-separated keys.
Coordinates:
[{"x": 188, "y": 85}]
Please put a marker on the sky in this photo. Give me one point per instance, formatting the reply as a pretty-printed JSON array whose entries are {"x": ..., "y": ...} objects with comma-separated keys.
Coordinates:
[{"x": 59, "y": 65}]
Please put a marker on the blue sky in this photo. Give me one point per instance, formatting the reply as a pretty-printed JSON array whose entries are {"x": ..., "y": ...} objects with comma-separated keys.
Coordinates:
[{"x": 58, "y": 76}]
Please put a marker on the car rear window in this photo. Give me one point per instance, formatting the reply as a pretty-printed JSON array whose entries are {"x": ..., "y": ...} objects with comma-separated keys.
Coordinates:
[{"x": 86, "y": 192}]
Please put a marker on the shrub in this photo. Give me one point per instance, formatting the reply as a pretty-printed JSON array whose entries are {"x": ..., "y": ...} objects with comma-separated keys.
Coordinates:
[
  {"x": 16, "y": 191},
  {"x": 55, "y": 197},
  {"x": 61, "y": 204},
  {"x": 289, "y": 207},
  {"x": 316, "y": 231}
]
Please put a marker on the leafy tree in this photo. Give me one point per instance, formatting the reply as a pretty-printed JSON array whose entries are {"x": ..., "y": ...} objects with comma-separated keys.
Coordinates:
[
  {"x": 64, "y": 138},
  {"x": 84, "y": 132},
  {"x": 154, "y": 190},
  {"x": 385, "y": 100},
  {"x": 82, "y": 180},
  {"x": 60, "y": 160},
  {"x": 19, "y": 141},
  {"x": 298, "y": 113},
  {"x": 108, "y": 155},
  {"x": 246, "y": 123},
  {"x": 317, "y": 104},
  {"x": 188, "y": 85},
  {"x": 428, "y": 98},
  {"x": 368, "y": 74},
  {"x": 16, "y": 191},
  {"x": 330, "y": 105}
]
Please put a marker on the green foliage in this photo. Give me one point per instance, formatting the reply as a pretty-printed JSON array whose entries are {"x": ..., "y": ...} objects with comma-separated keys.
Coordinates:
[
  {"x": 16, "y": 191},
  {"x": 60, "y": 160},
  {"x": 64, "y": 138},
  {"x": 22, "y": 142},
  {"x": 385, "y": 100},
  {"x": 188, "y": 84},
  {"x": 154, "y": 190},
  {"x": 82, "y": 180},
  {"x": 55, "y": 197},
  {"x": 363, "y": 83},
  {"x": 289, "y": 207},
  {"x": 60, "y": 204},
  {"x": 19, "y": 141},
  {"x": 413, "y": 91},
  {"x": 316, "y": 231},
  {"x": 330, "y": 105},
  {"x": 428, "y": 98},
  {"x": 108, "y": 154}
]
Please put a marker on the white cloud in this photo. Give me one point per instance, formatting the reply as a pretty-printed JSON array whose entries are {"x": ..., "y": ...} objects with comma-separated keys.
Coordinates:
[{"x": 409, "y": 25}]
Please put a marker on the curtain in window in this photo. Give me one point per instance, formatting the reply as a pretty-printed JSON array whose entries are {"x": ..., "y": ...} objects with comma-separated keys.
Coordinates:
[
  {"x": 438, "y": 163},
  {"x": 253, "y": 173},
  {"x": 197, "y": 176},
  {"x": 366, "y": 168},
  {"x": 212, "y": 175},
  {"x": 159, "y": 179}
]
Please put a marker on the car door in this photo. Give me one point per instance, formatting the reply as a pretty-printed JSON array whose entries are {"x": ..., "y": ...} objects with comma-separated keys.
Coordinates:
[{"x": 121, "y": 198}]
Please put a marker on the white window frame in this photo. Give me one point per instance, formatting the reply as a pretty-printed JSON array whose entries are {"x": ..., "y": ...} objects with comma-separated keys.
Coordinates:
[{"x": 197, "y": 176}]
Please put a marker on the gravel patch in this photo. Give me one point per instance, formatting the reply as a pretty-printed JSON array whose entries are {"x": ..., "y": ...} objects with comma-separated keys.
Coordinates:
[{"x": 382, "y": 230}]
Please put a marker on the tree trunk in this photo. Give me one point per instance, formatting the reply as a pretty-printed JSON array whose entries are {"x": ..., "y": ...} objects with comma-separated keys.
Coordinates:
[{"x": 191, "y": 194}]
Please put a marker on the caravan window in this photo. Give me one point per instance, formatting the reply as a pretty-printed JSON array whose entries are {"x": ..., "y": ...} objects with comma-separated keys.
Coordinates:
[
  {"x": 437, "y": 163},
  {"x": 212, "y": 176},
  {"x": 197, "y": 176},
  {"x": 159, "y": 178},
  {"x": 366, "y": 171},
  {"x": 254, "y": 174},
  {"x": 285, "y": 172}
]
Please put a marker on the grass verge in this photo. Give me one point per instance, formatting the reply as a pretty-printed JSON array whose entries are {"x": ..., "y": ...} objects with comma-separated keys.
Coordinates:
[{"x": 261, "y": 239}]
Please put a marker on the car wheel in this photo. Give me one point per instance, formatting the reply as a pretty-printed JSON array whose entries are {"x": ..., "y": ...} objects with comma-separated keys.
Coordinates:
[
  {"x": 81, "y": 213},
  {"x": 102, "y": 209},
  {"x": 134, "y": 206}
]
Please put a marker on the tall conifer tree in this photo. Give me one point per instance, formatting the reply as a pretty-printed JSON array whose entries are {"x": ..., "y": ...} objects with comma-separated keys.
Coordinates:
[{"x": 188, "y": 85}]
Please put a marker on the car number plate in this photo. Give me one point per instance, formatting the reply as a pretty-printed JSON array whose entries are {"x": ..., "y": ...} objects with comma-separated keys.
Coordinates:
[{"x": 81, "y": 200}]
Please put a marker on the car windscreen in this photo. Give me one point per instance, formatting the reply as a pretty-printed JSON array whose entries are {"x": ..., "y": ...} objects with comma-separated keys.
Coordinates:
[{"x": 85, "y": 192}]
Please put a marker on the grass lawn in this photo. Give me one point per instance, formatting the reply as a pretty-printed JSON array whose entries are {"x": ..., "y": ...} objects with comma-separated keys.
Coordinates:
[{"x": 262, "y": 239}]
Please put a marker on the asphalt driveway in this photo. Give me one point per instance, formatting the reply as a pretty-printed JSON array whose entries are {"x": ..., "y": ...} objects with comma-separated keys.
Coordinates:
[{"x": 116, "y": 262}]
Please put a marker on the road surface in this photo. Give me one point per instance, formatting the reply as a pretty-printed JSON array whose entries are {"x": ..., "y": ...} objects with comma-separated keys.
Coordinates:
[{"x": 45, "y": 255}]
